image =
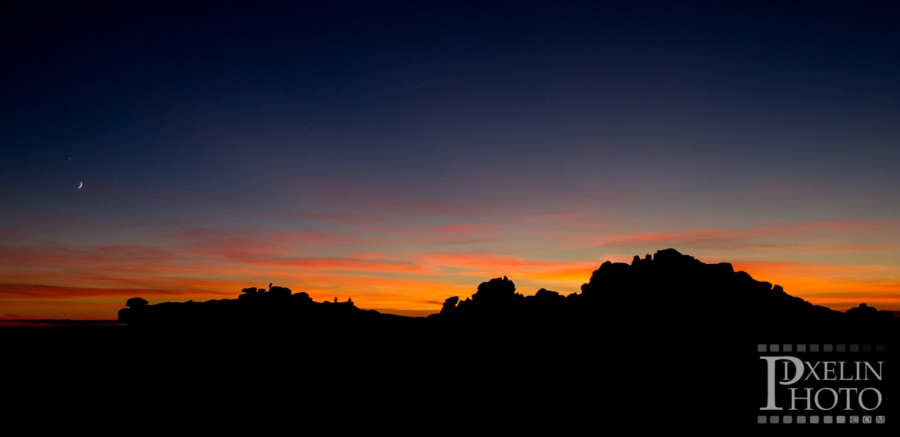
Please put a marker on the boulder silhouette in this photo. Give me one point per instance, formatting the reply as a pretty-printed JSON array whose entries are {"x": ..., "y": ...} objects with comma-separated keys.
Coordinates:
[{"x": 136, "y": 302}]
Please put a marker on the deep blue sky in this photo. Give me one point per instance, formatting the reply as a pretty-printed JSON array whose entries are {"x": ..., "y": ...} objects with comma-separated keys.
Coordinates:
[{"x": 522, "y": 137}]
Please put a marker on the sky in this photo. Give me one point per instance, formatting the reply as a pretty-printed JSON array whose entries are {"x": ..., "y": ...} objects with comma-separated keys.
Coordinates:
[{"x": 399, "y": 153}]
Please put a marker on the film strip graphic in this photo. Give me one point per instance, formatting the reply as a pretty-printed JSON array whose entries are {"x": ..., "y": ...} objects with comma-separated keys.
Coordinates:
[
  {"x": 827, "y": 347},
  {"x": 815, "y": 419}
]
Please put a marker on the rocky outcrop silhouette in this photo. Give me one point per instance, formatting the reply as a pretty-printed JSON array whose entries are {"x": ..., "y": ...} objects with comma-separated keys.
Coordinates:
[
  {"x": 665, "y": 336},
  {"x": 668, "y": 292},
  {"x": 664, "y": 339}
]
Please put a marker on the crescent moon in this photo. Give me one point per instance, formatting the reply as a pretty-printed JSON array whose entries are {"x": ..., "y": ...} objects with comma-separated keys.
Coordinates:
[{"x": 80, "y": 184}]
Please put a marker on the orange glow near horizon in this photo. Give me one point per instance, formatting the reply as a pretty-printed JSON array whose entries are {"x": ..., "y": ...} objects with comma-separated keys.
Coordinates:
[
  {"x": 414, "y": 289},
  {"x": 412, "y": 270},
  {"x": 842, "y": 288}
]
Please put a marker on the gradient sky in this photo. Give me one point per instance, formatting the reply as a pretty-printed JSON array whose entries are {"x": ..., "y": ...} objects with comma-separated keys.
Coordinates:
[{"x": 400, "y": 154}]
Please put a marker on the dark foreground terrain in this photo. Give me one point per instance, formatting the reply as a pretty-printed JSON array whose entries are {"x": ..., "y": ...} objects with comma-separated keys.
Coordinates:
[{"x": 665, "y": 340}]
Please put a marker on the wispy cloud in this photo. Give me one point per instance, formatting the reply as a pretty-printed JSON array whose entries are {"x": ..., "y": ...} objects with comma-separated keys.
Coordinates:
[
  {"x": 340, "y": 264},
  {"x": 493, "y": 265},
  {"x": 783, "y": 268},
  {"x": 795, "y": 186},
  {"x": 116, "y": 257},
  {"x": 37, "y": 291},
  {"x": 786, "y": 235}
]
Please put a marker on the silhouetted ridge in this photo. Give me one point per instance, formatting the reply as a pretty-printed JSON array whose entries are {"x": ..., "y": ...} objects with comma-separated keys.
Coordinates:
[
  {"x": 255, "y": 307},
  {"x": 661, "y": 339},
  {"x": 668, "y": 289}
]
